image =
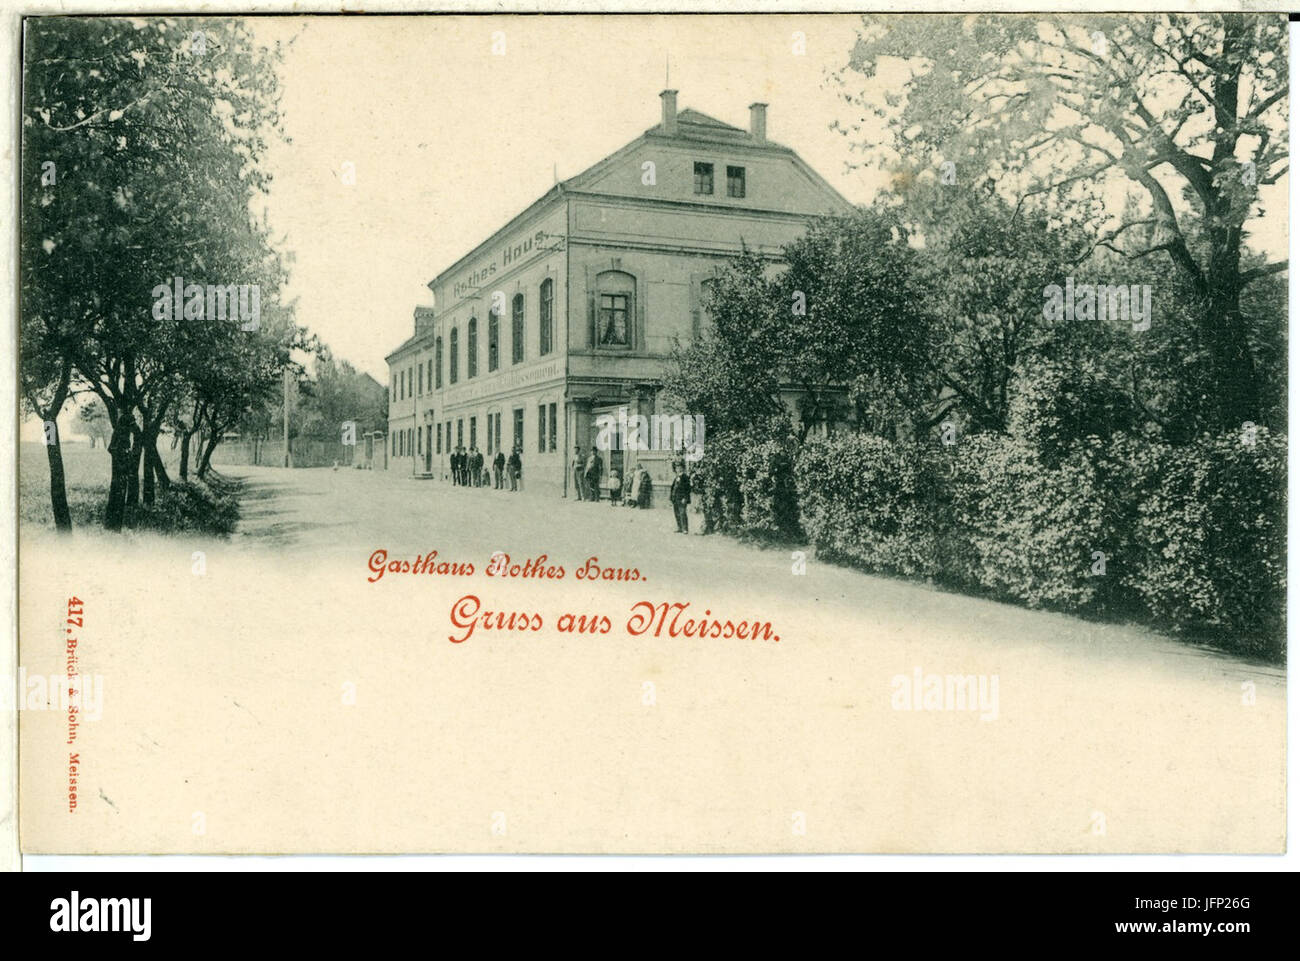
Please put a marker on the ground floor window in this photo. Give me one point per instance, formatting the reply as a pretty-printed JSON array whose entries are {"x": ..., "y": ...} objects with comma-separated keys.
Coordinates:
[
  {"x": 518, "y": 439},
  {"x": 550, "y": 426},
  {"x": 460, "y": 432},
  {"x": 541, "y": 428},
  {"x": 473, "y": 432}
]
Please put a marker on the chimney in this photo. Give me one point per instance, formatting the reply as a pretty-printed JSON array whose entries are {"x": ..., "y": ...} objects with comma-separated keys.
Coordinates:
[
  {"x": 669, "y": 123},
  {"x": 758, "y": 122}
]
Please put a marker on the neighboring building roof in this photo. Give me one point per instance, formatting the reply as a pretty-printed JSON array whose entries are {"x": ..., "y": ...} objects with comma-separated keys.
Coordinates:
[{"x": 409, "y": 342}]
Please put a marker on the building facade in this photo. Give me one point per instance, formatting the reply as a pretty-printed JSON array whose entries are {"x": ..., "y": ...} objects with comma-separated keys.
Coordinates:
[{"x": 569, "y": 311}]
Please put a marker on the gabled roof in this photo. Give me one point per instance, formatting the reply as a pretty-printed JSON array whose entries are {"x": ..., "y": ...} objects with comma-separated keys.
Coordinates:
[
  {"x": 694, "y": 116},
  {"x": 691, "y": 125}
]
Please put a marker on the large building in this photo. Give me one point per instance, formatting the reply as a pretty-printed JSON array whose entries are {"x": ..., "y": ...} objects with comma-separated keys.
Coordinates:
[{"x": 570, "y": 310}]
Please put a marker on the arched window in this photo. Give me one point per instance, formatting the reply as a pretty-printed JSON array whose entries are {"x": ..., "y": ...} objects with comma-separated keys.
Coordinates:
[
  {"x": 455, "y": 339},
  {"x": 471, "y": 349},
  {"x": 545, "y": 316},
  {"x": 437, "y": 361},
  {"x": 494, "y": 340},
  {"x": 615, "y": 309},
  {"x": 517, "y": 329}
]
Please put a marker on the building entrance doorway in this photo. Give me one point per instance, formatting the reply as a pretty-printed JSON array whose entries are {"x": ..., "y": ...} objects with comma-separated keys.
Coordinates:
[{"x": 610, "y": 445}]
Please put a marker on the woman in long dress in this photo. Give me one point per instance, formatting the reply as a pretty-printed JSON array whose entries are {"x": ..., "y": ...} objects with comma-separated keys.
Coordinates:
[{"x": 643, "y": 489}]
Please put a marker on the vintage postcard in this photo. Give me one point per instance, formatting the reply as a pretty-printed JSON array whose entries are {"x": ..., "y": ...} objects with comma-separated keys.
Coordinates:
[{"x": 653, "y": 434}]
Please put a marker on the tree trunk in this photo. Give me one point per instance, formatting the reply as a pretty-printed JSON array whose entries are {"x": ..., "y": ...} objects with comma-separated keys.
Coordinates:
[
  {"x": 154, "y": 460},
  {"x": 185, "y": 456},
  {"x": 1236, "y": 384},
  {"x": 54, "y": 452},
  {"x": 147, "y": 487},
  {"x": 119, "y": 449},
  {"x": 58, "y": 492},
  {"x": 204, "y": 464},
  {"x": 207, "y": 456},
  {"x": 134, "y": 457}
]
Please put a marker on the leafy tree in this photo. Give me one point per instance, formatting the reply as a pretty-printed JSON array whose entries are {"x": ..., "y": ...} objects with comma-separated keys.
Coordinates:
[
  {"x": 730, "y": 375},
  {"x": 93, "y": 422},
  {"x": 984, "y": 269},
  {"x": 867, "y": 321},
  {"x": 156, "y": 126},
  {"x": 1186, "y": 111}
]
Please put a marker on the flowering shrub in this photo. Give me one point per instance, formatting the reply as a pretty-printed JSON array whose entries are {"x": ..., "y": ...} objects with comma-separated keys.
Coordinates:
[
  {"x": 745, "y": 482},
  {"x": 1193, "y": 535},
  {"x": 1034, "y": 533},
  {"x": 866, "y": 500},
  {"x": 1210, "y": 536}
]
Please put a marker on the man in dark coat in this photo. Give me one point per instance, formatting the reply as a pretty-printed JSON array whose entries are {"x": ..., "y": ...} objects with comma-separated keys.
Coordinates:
[
  {"x": 680, "y": 495},
  {"x": 513, "y": 467},
  {"x": 499, "y": 468},
  {"x": 455, "y": 467},
  {"x": 592, "y": 475}
]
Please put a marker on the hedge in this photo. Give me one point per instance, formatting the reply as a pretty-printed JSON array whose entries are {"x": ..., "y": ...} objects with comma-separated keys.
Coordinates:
[
  {"x": 1193, "y": 536},
  {"x": 1210, "y": 537},
  {"x": 745, "y": 483},
  {"x": 865, "y": 500}
]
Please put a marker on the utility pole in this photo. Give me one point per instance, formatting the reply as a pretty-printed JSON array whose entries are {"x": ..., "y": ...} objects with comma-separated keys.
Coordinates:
[{"x": 286, "y": 416}]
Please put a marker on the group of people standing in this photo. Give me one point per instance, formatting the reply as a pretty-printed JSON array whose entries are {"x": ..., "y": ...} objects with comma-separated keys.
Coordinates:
[
  {"x": 469, "y": 469},
  {"x": 635, "y": 489},
  {"x": 588, "y": 481}
]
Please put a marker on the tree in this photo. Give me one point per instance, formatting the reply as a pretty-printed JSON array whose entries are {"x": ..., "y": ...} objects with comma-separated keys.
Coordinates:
[
  {"x": 983, "y": 269},
  {"x": 46, "y": 372},
  {"x": 864, "y": 323},
  {"x": 730, "y": 376},
  {"x": 1187, "y": 111},
  {"x": 93, "y": 422},
  {"x": 157, "y": 126}
]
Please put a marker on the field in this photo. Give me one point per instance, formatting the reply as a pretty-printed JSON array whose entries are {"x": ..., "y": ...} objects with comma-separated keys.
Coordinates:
[{"x": 86, "y": 475}]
